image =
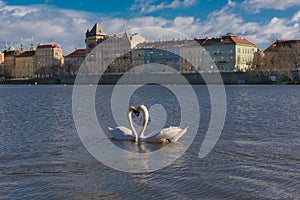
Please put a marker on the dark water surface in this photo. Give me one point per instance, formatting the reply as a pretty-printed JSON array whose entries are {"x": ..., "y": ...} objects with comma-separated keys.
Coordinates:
[{"x": 256, "y": 157}]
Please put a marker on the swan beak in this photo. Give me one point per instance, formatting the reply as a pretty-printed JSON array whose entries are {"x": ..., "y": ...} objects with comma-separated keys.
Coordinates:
[{"x": 136, "y": 112}]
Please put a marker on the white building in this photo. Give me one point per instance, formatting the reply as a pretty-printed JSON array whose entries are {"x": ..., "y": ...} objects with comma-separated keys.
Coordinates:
[{"x": 112, "y": 55}]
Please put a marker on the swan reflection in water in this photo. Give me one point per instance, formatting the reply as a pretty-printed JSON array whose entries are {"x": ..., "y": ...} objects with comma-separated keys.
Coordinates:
[
  {"x": 146, "y": 159},
  {"x": 166, "y": 135}
]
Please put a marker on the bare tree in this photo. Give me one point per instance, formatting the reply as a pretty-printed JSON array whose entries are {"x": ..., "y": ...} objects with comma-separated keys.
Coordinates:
[{"x": 281, "y": 59}]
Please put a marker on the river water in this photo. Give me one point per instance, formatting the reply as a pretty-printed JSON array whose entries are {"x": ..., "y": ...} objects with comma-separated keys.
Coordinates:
[{"x": 256, "y": 157}]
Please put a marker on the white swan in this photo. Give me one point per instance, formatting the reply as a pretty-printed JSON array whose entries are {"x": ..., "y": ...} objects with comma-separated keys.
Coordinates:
[
  {"x": 171, "y": 134},
  {"x": 123, "y": 133}
]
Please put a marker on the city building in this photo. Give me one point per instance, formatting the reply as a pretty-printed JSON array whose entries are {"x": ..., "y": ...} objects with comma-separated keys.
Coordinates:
[
  {"x": 121, "y": 46},
  {"x": 229, "y": 52},
  {"x": 1, "y": 57},
  {"x": 112, "y": 55},
  {"x": 182, "y": 55},
  {"x": 49, "y": 60},
  {"x": 119, "y": 53},
  {"x": 24, "y": 65},
  {"x": 282, "y": 57},
  {"x": 9, "y": 61},
  {"x": 191, "y": 57},
  {"x": 137, "y": 56},
  {"x": 73, "y": 61},
  {"x": 94, "y": 36},
  {"x": 165, "y": 53},
  {"x": 283, "y": 54}
]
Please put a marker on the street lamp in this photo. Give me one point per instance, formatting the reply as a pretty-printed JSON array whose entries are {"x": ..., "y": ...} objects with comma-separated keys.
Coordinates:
[{"x": 151, "y": 53}]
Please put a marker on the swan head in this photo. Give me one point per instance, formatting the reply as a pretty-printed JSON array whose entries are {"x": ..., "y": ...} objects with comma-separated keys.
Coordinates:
[
  {"x": 135, "y": 111},
  {"x": 142, "y": 108}
]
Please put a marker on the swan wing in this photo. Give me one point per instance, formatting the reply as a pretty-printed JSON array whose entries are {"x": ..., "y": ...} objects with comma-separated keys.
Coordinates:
[
  {"x": 172, "y": 134},
  {"x": 121, "y": 133},
  {"x": 179, "y": 134},
  {"x": 153, "y": 137}
]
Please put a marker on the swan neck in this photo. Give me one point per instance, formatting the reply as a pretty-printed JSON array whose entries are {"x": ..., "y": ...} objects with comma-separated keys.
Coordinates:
[
  {"x": 131, "y": 124},
  {"x": 145, "y": 121}
]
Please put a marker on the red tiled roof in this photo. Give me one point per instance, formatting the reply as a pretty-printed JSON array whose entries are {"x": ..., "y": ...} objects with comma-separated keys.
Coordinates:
[
  {"x": 77, "y": 53},
  {"x": 278, "y": 43},
  {"x": 241, "y": 41},
  {"x": 285, "y": 41},
  {"x": 13, "y": 52},
  {"x": 48, "y": 46},
  {"x": 224, "y": 40},
  {"x": 27, "y": 54}
]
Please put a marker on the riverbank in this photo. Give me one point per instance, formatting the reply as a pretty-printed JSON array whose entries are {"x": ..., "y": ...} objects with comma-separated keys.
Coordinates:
[{"x": 230, "y": 78}]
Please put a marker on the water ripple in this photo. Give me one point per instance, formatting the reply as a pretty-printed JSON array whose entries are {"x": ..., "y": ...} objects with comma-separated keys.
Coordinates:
[{"x": 257, "y": 156}]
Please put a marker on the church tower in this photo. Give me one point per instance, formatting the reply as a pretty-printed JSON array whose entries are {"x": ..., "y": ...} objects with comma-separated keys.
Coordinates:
[{"x": 94, "y": 37}]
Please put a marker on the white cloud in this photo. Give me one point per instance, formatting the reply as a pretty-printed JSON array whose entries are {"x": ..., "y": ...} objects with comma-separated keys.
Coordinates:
[
  {"x": 2, "y": 4},
  {"x": 222, "y": 21},
  {"x": 257, "y": 5},
  {"x": 226, "y": 20},
  {"x": 189, "y": 3},
  {"x": 280, "y": 29},
  {"x": 67, "y": 27},
  {"x": 149, "y": 6},
  {"x": 296, "y": 17},
  {"x": 21, "y": 10},
  {"x": 27, "y": 24}
]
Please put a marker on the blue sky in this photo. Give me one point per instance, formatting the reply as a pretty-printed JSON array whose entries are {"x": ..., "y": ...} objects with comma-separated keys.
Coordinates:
[{"x": 65, "y": 21}]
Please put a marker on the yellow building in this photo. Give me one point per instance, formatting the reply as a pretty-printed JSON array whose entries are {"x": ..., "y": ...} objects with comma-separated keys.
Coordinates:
[
  {"x": 49, "y": 60},
  {"x": 9, "y": 62},
  {"x": 24, "y": 65},
  {"x": 1, "y": 57},
  {"x": 229, "y": 52}
]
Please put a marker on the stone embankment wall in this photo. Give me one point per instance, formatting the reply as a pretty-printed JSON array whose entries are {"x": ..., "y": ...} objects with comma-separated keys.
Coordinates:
[{"x": 196, "y": 78}]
